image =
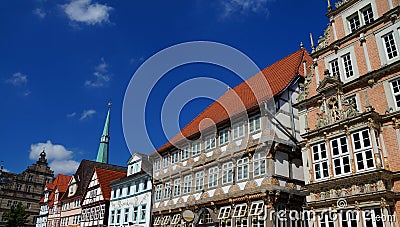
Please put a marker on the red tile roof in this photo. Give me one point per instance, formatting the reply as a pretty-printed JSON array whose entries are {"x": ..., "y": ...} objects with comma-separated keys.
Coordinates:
[
  {"x": 60, "y": 183},
  {"x": 105, "y": 176},
  {"x": 248, "y": 94}
]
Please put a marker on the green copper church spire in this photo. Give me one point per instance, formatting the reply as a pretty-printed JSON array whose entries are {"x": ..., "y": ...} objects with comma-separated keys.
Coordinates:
[{"x": 102, "y": 154}]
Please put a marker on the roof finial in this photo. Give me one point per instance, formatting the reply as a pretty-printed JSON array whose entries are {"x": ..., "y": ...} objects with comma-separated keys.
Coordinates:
[
  {"x": 312, "y": 42},
  {"x": 329, "y": 5},
  {"x": 109, "y": 104},
  {"x": 301, "y": 45}
]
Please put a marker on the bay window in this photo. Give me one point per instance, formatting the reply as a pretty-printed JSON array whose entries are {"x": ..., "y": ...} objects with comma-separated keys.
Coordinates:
[
  {"x": 363, "y": 150},
  {"x": 340, "y": 156},
  {"x": 320, "y": 161}
]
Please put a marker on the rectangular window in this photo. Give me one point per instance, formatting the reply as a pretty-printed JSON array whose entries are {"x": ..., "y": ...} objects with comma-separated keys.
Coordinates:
[
  {"x": 144, "y": 181},
  {"x": 199, "y": 181},
  {"x": 259, "y": 164},
  {"x": 326, "y": 220},
  {"x": 117, "y": 219},
  {"x": 177, "y": 187},
  {"x": 347, "y": 65},
  {"x": 157, "y": 164},
  {"x": 185, "y": 153},
  {"x": 363, "y": 150},
  {"x": 143, "y": 212},
  {"x": 174, "y": 157},
  {"x": 227, "y": 173},
  {"x": 176, "y": 219},
  {"x": 158, "y": 192},
  {"x": 256, "y": 208},
  {"x": 240, "y": 210},
  {"x": 128, "y": 189},
  {"x": 165, "y": 161},
  {"x": 238, "y": 130},
  {"x": 137, "y": 186},
  {"x": 320, "y": 161},
  {"x": 126, "y": 215},
  {"x": 196, "y": 148},
  {"x": 167, "y": 190},
  {"x": 340, "y": 156},
  {"x": 210, "y": 142},
  {"x": 213, "y": 177},
  {"x": 390, "y": 46},
  {"x": 135, "y": 214},
  {"x": 396, "y": 91},
  {"x": 368, "y": 15},
  {"x": 224, "y": 212},
  {"x": 254, "y": 123},
  {"x": 223, "y": 137},
  {"x": 187, "y": 187},
  {"x": 335, "y": 67},
  {"x": 354, "y": 22},
  {"x": 243, "y": 168}
]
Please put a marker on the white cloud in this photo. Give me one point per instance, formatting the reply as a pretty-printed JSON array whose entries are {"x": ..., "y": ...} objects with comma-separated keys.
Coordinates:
[
  {"x": 59, "y": 158},
  {"x": 87, "y": 113},
  {"x": 18, "y": 79},
  {"x": 101, "y": 74},
  {"x": 71, "y": 115},
  {"x": 244, "y": 6},
  {"x": 64, "y": 166},
  {"x": 40, "y": 13},
  {"x": 84, "y": 11}
]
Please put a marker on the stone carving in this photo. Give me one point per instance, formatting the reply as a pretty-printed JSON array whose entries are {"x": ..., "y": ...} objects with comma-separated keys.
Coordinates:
[
  {"x": 323, "y": 41},
  {"x": 234, "y": 189},
  {"x": 218, "y": 192},
  {"x": 170, "y": 203},
  {"x": 250, "y": 185},
  {"x": 321, "y": 121},
  {"x": 304, "y": 86},
  {"x": 190, "y": 161},
  {"x": 290, "y": 186},
  {"x": 191, "y": 198},
  {"x": 203, "y": 157},
  {"x": 205, "y": 196},
  {"x": 180, "y": 201},
  {"x": 380, "y": 185},
  {"x": 350, "y": 108},
  {"x": 270, "y": 181},
  {"x": 340, "y": 3}
]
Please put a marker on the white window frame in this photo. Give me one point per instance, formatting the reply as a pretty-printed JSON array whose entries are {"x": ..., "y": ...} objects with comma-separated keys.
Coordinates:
[
  {"x": 254, "y": 123},
  {"x": 256, "y": 208},
  {"x": 396, "y": 94},
  {"x": 348, "y": 66},
  {"x": 185, "y": 153},
  {"x": 385, "y": 47},
  {"x": 223, "y": 137},
  {"x": 210, "y": 142},
  {"x": 224, "y": 212},
  {"x": 142, "y": 215},
  {"x": 363, "y": 150},
  {"x": 227, "y": 173},
  {"x": 174, "y": 157},
  {"x": 349, "y": 21},
  {"x": 213, "y": 174},
  {"x": 166, "y": 220},
  {"x": 320, "y": 161},
  {"x": 187, "y": 184},
  {"x": 176, "y": 219},
  {"x": 199, "y": 181},
  {"x": 157, "y": 221},
  {"x": 167, "y": 190},
  {"x": 238, "y": 130},
  {"x": 335, "y": 68},
  {"x": 242, "y": 169},
  {"x": 240, "y": 210},
  {"x": 196, "y": 148},
  {"x": 343, "y": 153},
  {"x": 177, "y": 187},
  {"x": 259, "y": 164},
  {"x": 158, "y": 194},
  {"x": 166, "y": 161}
]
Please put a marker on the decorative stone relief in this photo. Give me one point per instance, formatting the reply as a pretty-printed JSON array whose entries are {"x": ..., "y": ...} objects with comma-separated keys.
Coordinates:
[
  {"x": 205, "y": 196},
  {"x": 340, "y": 3},
  {"x": 304, "y": 86},
  {"x": 170, "y": 203},
  {"x": 180, "y": 201},
  {"x": 250, "y": 185},
  {"x": 191, "y": 198},
  {"x": 234, "y": 189},
  {"x": 218, "y": 192},
  {"x": 323, "y": 41}
]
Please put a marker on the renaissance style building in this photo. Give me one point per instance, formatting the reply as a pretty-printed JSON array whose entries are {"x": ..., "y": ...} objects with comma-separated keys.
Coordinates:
[
  {"x": 26, "y": 188},
  {"x": 226, "y": 175},
  {"x": 349, "y": 116},
  {"x": 130, "y": 202}
]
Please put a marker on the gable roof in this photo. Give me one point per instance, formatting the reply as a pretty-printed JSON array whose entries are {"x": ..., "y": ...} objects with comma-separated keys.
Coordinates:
[
  {"x": 248, "y": 94},
  {"x": 105, "y": 176},
  {"x": 60, "y": 184},
  {"x": 84, "y": 173}
]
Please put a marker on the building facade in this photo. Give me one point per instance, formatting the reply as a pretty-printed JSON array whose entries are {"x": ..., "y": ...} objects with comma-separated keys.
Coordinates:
[
  {"x": 349, "y": 116},
  {"x": 243, "y": 169},
  {"x": 52, "y": 199},
  {"x": 26, "y": 188},
  {"x": 96, "y": 198},
  {"x": 130, "y": 203}
]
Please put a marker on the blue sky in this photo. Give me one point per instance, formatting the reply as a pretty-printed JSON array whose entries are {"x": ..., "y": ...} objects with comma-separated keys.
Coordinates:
[{"x": 62, "y": 61}]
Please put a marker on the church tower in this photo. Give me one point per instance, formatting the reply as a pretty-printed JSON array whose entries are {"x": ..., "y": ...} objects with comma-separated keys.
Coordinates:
[{"x": 102, "y": 154}]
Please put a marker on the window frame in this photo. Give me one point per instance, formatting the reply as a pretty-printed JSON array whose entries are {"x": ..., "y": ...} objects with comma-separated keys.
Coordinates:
[
  {"x": 385, "y": 47},
  {"x": 210, "y": 142},
  {"x": 213, "y": 174},
  {"x": 227, "y": 170},
  {"x": 187, "y": 184},
  {"x": 223, "y": 137},
  {"x": 341, "y": 155},
  {"x": 199, "y": 181},
  {"x": 243, "y": 168},
  {"x": 261, "y": 159},
  {"x": 320, "y": 161},
  {"x": 254, "y": 121},
  {"x": 363, "y": 150},
  {"x": 177, "y": 187},
  {"x": 238, "y": 130}
]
